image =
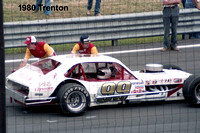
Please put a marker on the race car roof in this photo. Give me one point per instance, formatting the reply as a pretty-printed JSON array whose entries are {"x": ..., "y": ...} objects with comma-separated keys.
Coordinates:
[{"x": 75, "y": 59}]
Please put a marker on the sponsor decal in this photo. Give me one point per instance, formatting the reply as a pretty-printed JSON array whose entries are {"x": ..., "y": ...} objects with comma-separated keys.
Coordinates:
[
  {"x": 177, "y": 80},
  {"x": 167, "y": 80},
  {"x": 45, "y": 84},
  {"x": 148, "y": 82},
  {"x": 154, "y": 82},
  {"x": 44, "y": 89},
  {"x": 160, "y": 81},
  {"x": 138, "y": 89},
  {"x": 137, "y": 83}
]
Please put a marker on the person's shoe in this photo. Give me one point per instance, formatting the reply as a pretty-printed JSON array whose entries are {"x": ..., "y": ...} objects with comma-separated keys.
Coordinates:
[
  {"x": 88, "y": 12},
  {"x": 164, "y": 49},
  {"x": 175, "y": 49},
  {"x": 98, "y": 14}
]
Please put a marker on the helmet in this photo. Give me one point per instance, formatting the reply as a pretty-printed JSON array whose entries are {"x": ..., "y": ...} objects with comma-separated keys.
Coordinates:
[{"x": 103, "y": 73}]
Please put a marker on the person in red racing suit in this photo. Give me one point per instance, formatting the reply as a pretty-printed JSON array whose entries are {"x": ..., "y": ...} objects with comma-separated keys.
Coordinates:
[
  {"x": 37, "y": 49},
  {"x": 84, "y": 46}
]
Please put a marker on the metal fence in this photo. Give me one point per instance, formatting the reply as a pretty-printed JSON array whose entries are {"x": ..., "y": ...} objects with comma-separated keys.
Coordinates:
[{"x": 108, "y": 27}]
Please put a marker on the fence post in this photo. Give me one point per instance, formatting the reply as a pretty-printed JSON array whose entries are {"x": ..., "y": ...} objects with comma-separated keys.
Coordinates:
[
  {"x": 2, "y": 75},
  {"x": 114, "y": 42}
]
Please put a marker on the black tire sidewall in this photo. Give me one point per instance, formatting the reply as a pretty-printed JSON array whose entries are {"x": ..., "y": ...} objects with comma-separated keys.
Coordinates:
[
  {"x": 66, "y": 90},
  {"x": 189, "y": 87}
]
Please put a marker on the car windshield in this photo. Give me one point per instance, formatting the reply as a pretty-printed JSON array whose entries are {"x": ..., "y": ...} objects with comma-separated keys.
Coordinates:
[{"x": 46, "y": 65}]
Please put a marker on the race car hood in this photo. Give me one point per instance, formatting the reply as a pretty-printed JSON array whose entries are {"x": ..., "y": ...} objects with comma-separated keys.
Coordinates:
[
  {"x": 26, "y": 75},
  {"x": 162, "y": 78}
]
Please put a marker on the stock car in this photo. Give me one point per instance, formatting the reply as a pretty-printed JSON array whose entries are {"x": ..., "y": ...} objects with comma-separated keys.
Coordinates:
[{"x": 76, "y": 82}]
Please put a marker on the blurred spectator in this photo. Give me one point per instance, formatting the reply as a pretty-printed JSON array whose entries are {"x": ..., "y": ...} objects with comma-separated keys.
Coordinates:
[
  {"x": 170, "y": 20},
  {"x": 183, "y": 2},
  {"x": 39, "y": 6},
  {"x": 97, "y": 7},
  {"x": 193, "y": 4}
]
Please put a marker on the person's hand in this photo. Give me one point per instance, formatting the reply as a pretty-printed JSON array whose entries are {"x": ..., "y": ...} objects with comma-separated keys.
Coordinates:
[{"x": 13, "y": 70}]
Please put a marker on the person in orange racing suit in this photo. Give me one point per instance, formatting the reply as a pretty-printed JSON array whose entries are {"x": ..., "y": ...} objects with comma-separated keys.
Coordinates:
[
  {"x": 84, "y": 46},
  {"x": 37, "y": 49}
]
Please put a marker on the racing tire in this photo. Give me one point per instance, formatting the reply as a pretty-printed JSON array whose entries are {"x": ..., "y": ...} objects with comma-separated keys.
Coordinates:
[
  {"x": 170, "y": 66},
  {"x": 73, "y": 98},
  {"x": 191, "y": 90}
]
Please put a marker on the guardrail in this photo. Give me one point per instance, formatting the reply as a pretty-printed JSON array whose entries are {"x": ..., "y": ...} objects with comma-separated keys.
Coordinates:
[{"x": 109, "y": 27}]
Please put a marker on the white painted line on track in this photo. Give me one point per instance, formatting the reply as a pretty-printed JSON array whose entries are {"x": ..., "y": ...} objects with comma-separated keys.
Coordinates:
[
  {"x": 51, "y": 121},
  {"x": 119, "y": 52},
  {"x": 147, "y": 50},
  {"x": 19, "y": 60},
  {"x": 90, "y": 117}
]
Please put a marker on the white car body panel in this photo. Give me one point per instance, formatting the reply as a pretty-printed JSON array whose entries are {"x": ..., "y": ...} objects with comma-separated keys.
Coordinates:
[
  {"x": 162, "y": 78},
  {"x": 41, "y": 87}
]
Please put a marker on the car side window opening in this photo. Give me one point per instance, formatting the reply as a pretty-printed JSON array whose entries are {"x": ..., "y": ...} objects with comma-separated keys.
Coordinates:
[
  {"x": 99, "y": 71},
  {"x": 119, "y": 72}
]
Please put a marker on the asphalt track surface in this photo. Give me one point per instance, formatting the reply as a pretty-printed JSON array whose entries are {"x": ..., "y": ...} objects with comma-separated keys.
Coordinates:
[{"x": 146, "y": 117}]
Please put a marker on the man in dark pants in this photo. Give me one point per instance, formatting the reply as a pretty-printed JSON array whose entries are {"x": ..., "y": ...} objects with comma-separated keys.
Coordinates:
[{"x": 170, "y": 17}]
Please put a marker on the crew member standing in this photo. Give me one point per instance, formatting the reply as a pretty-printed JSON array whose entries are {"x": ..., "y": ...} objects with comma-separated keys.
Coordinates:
[{"x": 170, "y": 21}]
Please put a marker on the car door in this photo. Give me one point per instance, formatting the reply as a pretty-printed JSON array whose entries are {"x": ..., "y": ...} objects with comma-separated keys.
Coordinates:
[{"x": 112, "y": 82}]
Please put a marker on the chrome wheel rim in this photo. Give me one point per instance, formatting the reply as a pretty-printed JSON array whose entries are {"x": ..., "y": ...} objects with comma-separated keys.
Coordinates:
[
  {"x": 197, "y": 92},
  {"x": 76, "y": 101}
]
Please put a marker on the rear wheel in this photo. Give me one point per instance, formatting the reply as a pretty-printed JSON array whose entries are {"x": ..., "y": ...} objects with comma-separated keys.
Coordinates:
[
  {"x": 191, "y": 90},
  {"x": 73, "y": 98}
]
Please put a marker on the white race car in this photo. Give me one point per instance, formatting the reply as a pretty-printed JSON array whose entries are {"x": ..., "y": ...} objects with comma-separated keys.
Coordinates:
[{"x": 76, "y": 82}]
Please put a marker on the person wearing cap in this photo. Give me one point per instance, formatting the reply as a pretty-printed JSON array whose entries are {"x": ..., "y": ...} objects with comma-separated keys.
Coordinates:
[
  {"x": 37, "y": 49},
  {"x": 84, "y": 46}
]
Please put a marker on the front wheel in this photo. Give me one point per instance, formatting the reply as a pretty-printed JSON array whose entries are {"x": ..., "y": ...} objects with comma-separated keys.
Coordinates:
[
  {"x": 191, "y": 90},
  {"x": 73, "y": 98}
]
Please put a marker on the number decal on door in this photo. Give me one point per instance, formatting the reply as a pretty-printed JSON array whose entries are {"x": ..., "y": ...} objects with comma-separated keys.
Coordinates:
[
  {"x": 123, "y": 87},
  {"x": 108, "y": 89}
]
